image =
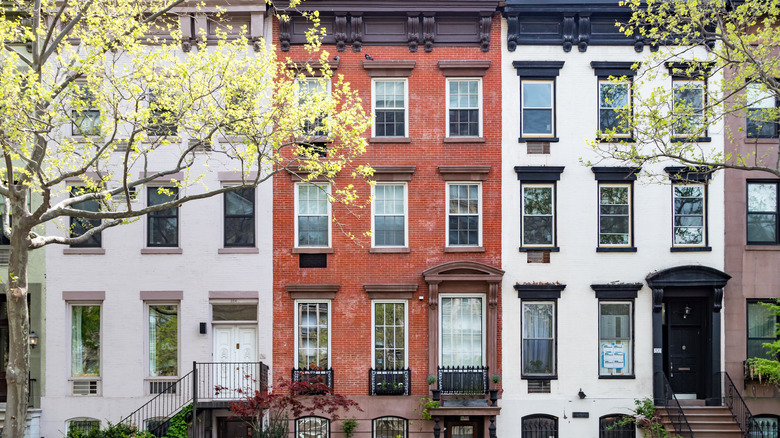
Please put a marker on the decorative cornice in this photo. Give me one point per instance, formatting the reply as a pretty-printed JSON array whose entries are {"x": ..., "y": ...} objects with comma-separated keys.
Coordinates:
[
  {"x": 399, "y": 291},
  {"x": 464, "y": 67},
  {"x": 682, "y": 174},
  {"x": 615, "y": 174},
  {"x": 539, "y": 173},
  {"x": 616, "y": 290},
  {"x": 316, "y": 67},
  {"x": 616, "y": 69},
  {"x": 539, "y": 291},
  {"x": 312, "y": 291},
  {"x": 389, "y": 69},
  {"x": 546, "y": 69},
  {"x": 393, "y": 173},
  {"x": 464, "y": 173}
]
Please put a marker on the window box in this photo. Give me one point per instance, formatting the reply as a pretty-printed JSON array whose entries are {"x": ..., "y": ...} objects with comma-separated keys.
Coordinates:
[
  {"x": 313, "y": 376},
  {"x": 389, "y": 382}
]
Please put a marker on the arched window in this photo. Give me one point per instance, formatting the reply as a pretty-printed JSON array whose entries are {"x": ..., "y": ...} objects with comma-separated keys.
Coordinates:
[
  {"x": 540, "y": 426},
  {"x": 613, "y": 426},
  {"x": 765, "y": 426},
  {"x": 83, "y": 424},
  {"x": 390, "y": 427},
  {"x": 312, "y": 427}
]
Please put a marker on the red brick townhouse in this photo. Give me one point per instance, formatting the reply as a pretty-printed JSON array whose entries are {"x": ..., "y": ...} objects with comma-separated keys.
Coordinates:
[{"x": 421, "y": 296}]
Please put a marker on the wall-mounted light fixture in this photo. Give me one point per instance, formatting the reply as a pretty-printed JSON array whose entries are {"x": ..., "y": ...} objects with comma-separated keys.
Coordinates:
[
  {"x": 581, "y": 394},
  {"x": 33, "y": 339},
  {"x": 203, "y": 328}
]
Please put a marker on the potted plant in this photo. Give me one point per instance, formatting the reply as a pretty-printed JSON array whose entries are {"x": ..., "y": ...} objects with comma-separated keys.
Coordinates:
[{"x": 495, "y": 379}]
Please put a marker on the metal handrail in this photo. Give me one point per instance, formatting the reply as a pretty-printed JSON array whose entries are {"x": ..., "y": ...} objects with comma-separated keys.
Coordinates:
[
  {"x": 736, "y": 404},
  {"x": 675, "y": 412},
  {"x": 164, "y": 405}
]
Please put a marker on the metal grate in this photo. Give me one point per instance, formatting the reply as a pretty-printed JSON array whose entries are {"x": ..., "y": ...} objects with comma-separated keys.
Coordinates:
[
  {"x": 5, "y": 254},
  {"x": 538, "y": 386},
  {"x": 540, "y": 427},
  {"x": 389, "y": 382},
  {"x": 609, "y": 427},
  {"x": 85, "y": 387},
  {"x": 162, "y": 387},
  {"x": 538, "y": 147}
]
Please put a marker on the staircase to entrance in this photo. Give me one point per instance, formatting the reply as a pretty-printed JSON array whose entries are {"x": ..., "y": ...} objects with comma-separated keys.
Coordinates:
[{"x": 706, "y": 421}]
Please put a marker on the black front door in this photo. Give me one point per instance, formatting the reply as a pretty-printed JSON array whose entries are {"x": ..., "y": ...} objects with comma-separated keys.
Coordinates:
[
  {"x": 465, "y": 427},
  {"x": 687, "y": 341}
]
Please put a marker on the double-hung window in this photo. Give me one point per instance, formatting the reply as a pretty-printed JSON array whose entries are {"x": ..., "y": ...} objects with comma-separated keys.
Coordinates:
[
  {"x": 762, "y": 212},
  {"x": 538, "y": 206},
  {"x": 462, "y": 330},
  {"x": 390, "y": 108},
  {"x": 689, "y": 208},
  {"x": 313, "y": 334},
  {"x": 163, "y": 340},
  {"x": 312, "y": 221},
  {"x": 85, "y": 340},
  {"x": 688, "y": 97},
  {"x": 762, "y": 112},
  {"x": 240, "y": 218},
  {"x": 761, "y": 329},
  {"x": 79, "y": 226},
  {"x": 615, "y": 204},
  {"x": 537, "y": 99},
  {"x": 389, "y": 335},
  {"x": 464, "y": 211},
  {"x": 86, "y": 117},
  {"x": 313, "y": 94},
  {"x": 538, "y": 338},
  {"x": 163, "y": 225},
  {"x": 464, "y": 107},
  {"x": 162, "y": 119},
  {"x": 615, "y": 338},
  {"x": 390, "y": 220},
  {"x": 614, "y": 89}
]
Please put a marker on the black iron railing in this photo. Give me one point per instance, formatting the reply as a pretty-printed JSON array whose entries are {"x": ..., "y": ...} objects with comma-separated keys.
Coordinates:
[
  {"x": 763, "y": 428},
  {"x": 463, "y": 380},
  {"x": 230, "y": 380},
  {"x": 733, "y": 400},
  {"x": 675, "y": 412},
  {"x": 313, "y": 376},
  {"x": 154, "y": 415},
  {"x": 389, "y": 382}
]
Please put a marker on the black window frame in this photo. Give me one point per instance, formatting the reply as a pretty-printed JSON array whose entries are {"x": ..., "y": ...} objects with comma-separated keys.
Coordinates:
[
  {"x": 616, "y": 176},
  {"x": 624, "y": 73},
  {"x": 96, "y": 240},
  {"x": 154, "y": 217},
  {"x": 748, "y": 338},
  {"x": 539, "y": 71},
  {"x": 774, "y": 125},
  {"x": 86, "y": 96},
  {"x": 540, "y": 175},
  {"x": 327, "y": 425},
  {"x": 227, "y": 218},
  {"x": 608, "y": 430},
  {"x": 699, "y": 72},
  {"x": 775, "y": 213},
  {"x": 162, "y": 120},
  {"x": 680, "y": 176},
  {"x": 393, "y": 417}
]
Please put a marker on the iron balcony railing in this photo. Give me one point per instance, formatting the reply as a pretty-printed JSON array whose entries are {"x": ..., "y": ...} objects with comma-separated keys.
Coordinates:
[
  {"x": 389, "y": 382},
  {"x": 736, "y": 404},
  {"x": 463, "y": 380},
  {"x": 230, "y": 380},
  {"x": 313, "y": 376},
  {"x": 675, "y": 412}
]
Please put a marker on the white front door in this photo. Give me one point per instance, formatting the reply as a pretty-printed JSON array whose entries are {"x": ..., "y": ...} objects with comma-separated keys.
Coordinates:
[{"x": 235, "y": 356}]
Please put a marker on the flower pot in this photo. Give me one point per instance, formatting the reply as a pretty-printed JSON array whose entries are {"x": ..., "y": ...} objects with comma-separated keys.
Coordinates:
[
  {"x": 493, "y": 396},
  {"x": 436, "y": 394}
]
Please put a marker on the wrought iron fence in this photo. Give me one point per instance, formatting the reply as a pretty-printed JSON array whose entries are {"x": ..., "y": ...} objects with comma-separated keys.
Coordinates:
[
  {"x": 763, "y": 428},
  {"x": 389, "y": 382},
  {"x": 309, "y": 375},
  {"x": 733, "y": 400},
  {"x": 463, "y": 380},
  {"x": 675, "y": 412},
  {"x": 230, "y": 380}
]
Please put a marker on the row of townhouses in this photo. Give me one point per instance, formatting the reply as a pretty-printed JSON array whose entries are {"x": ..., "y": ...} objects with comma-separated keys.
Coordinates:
[{"x": 494, "y": 251}]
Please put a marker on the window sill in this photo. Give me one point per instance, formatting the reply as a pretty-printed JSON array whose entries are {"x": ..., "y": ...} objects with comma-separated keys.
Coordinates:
[
  {"x": 464, "y": 140},
  {"x": 462, "y": 249},
  {"x": 389, "y": 140},
  {"x": 175, "y": 138},
  {"x": 389, "y": 250},
  {"x": 540, "y": 248},
  {"x": 547, "y": 139},
  {"x": 161, "y": 251},
  {"x": 618, "y": 140},
  {"x": 322, "y": 250},
  {"x": 690, "y": 249},
  {"x": 550, "y": 377},
  {"x": 761, "y": 140},
  {"x": 691, "y": 139},
  {"x": 313, "y": 139},
  {"x": 246, "y": 250},
  {"x": 762, "y": 247},
  {"x": 618, "y": 249},
  {"x": 84, "y": 251},
  {"x": 626, "y": 377}
]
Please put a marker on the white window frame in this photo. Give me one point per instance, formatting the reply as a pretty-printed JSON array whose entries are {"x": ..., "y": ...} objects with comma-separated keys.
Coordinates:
[
  {"x": 386, "y": 417},
  {"x": 328, "y": 93},
  {"x": 523, "y": 132},
  {"x": 554, "y": 304},
  {"x": 70, "y": 306},
  {"x": 703, "y": 214},
  {"x": 629, "y": 354},
  {"x": 406, "y": 215},
  {"x": 373, "y": 330},
  {"x": 684, "y": 83},
  {"x": 523, "y": 215},
  {"x": 479, "y": 107},
  {"x": 630, "y": 242},
  {"x": 147, "y": 340},
  {"x": 296, "y": 328},
  {"x": 405, "y": 108},
  {"x": 75, "y": 131},
  {"x": 447, "y": 213},
  {"x": 482, "y": 297},
  {"x": 627, "y": 84},
  {"x": 322, "y": 186},
  {"x": 327, "y": 425}
]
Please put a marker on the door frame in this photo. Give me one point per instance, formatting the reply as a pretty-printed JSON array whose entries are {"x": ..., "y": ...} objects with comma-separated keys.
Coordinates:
[
  {"x": 478, "y": 422},
  {"x": 698, "y": 307}
]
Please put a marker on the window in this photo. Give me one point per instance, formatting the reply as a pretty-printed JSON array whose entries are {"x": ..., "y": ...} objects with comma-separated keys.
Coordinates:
[
  {"x": 761, "y": 120},
  {"x": 390, "y": 97},
  {"x": 615, "y": 338},
  {"x": 240, "y": 218},
  {"x": 312, "y": 215},
  {"x": 538, "y": 220},
  {"x": 463, "y": 214},
  {"x": 79, "y": 226},
  {"x": 688, "y": 112},
  {"x": 614, "y": 100},
  {"x": 389, "y": 215},
  {"x": 765, "y": 426},
  {"x": 540, "y": 426},
  {"x": 538, "y": 343},
  {"x": 83, "y": 425},
  {"x": 610, "y": 427},
  {"x": 312, "y": 427},
  {"x": 615, "y": 221},
  {"x": 390, "y": 427},
  {"x": 162, "y": 119},
  {"x": 761, "y": 329},
  {"x": 389, "y": 335},
  {"x": 85, "y": 340},
  {"x": 538, "y": 108},
  {"x": 163, "y": 224},
  {"x": 462, "y": 328},
  {"x": 464, "y": 102},
  {"x": 86, "y": 118},
  {"x": 762, "y": 212},
  {"x": 312, "y": 94},
  {"x": 313, "y": 339},
  {"x": 163, "y": 340},
  {"x": 689, "y": 208}
]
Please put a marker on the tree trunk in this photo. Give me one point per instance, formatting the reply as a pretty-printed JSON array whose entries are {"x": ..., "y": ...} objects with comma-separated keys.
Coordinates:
[{"x": 18, "y": 370}]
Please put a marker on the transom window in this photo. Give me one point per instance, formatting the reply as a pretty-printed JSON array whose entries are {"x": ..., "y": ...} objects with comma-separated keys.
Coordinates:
[
  {"x": 762, "y": 212},
  {"x": 762, "y": 112},
  {"x": 538, "y": 108},
  {"x": 761, "y": 329},
  {"x": 312, "y": 215},
  {"x": 538, "y": 220},
  {"x": 615, "y": 338},
  {"x": 313, "y": 338},
  {"x": 463, "y": 214},
  {"x": 462, "y": 329},
  {"x": 163, "y": 224},
  {"x": 615, "y": 215},
  {"x": 538, "y": 338},
  {"x": 689, "y": 215},
  {"x": 614, "y": 99},
  {"x": 389, "y": 335},
  {"x": 689, "y": 100},
  {"x": 389, "y": 215},
  {"x": 464, "y": 102},
  {"x": 390, "y": 108}
]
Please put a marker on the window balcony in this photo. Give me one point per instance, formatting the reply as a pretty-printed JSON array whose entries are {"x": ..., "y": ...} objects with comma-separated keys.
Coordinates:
[
  {"x": 389, "y": 382},
  {"x": 315, "y": 377},
  {"x": 463, "y": 380}
]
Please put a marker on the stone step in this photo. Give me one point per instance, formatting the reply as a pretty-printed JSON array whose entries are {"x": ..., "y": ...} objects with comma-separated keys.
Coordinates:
[{"x": 706, "y": 421}]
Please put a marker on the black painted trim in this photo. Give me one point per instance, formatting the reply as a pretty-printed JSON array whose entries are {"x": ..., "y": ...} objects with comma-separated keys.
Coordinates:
[
  {"x": 615, "y": 174},
  {"x": 539, "y": 173},
  {"x": 538, "y": 69},
  {"x": 540, "y": 248},
  {"x": 619, "y": 291},
  {"x": 691, "y": 139},
  {"x": 616, "y": 69},
  {"x": 688, "y": 174},
  {"x": 616, "y": 249},
  {"x": 677, "y": 70},
  {"x": 618, "y": 140},
  {"x": 688, "y": 275},
  {"x": 690, "y": 249},
  {"x": 539, "y": 291},
  {"x": 550, "y": 377},
  {"x": 546, "y": 139},
  {"x": 630, "y": 377}
]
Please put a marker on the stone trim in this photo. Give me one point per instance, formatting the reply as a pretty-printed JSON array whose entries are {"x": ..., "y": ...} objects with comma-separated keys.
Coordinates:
[
  {"x": 399, "y": 291},
  {"x": 238, "y": 250},
  {"x": 84, "y": 295},
  {"x": 161, "y": 251},
  {"x": 313, "y": 250},
  {"x": 161, "y": 295},
  {"x": 316, "y": 66},
  {"x": 389, "y": 69},
  {"x": 178, "y": 176},
  {"x": 83, "y": 251},
  {"x": 236, "y": 176},
  {"x": 393, "y": 173},
  {"x": 464, "y": 173},
  {"x": 233, "y": 294},
  {"x": 539, "y": 291},
  {"x": 686, "y": 174},
  {"x": 312, "y": 291},
  {"x": 538, "y": 69},
  {"x": 298, "y": 175},
  {"x": 464, "y": 67}
]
